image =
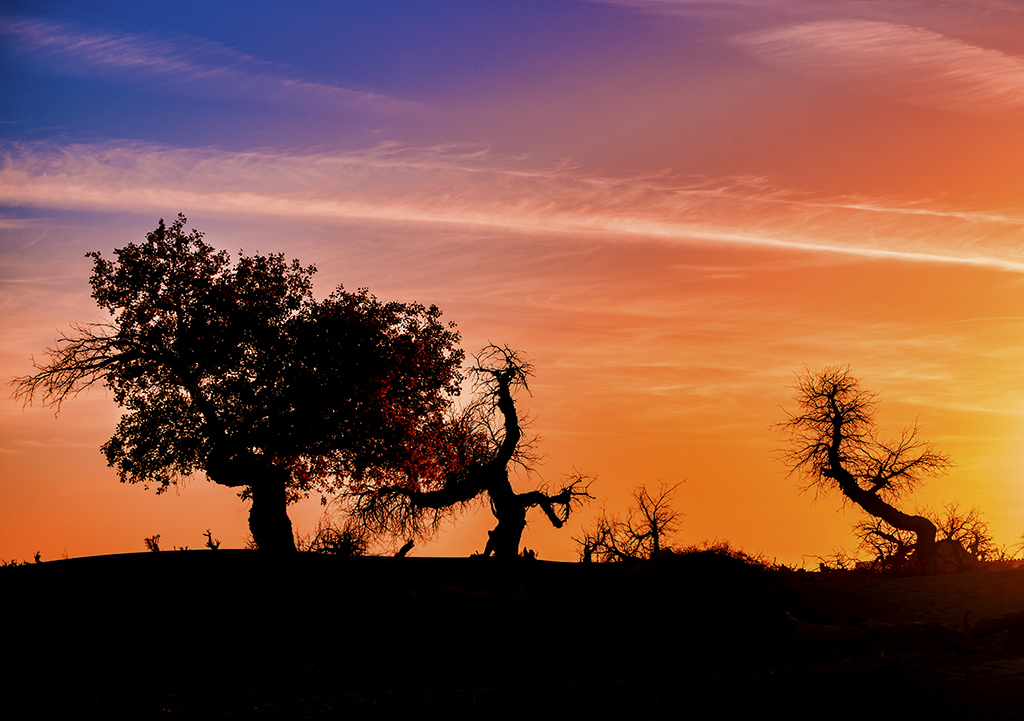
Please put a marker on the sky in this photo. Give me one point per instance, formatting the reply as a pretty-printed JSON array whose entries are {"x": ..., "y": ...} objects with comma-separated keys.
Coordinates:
[{"x": 672, "y": 207}]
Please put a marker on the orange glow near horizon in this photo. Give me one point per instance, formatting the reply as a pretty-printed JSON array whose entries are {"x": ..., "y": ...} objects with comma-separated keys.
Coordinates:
[{"x": 669, "y": 236}]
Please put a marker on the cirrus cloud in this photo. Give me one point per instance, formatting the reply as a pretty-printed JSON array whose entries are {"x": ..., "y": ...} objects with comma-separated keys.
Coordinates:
[
  {"x": 197, "y": 63},
  {"x": 454, "y": 185},
  {"x": 897, "y": 62}
]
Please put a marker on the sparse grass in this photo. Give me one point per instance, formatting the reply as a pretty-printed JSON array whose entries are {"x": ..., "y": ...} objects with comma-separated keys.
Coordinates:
[{"x": 15, "y": 562}]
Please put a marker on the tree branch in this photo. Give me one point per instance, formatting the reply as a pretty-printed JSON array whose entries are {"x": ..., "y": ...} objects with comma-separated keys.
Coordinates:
[{"x": 75, "y": 364}]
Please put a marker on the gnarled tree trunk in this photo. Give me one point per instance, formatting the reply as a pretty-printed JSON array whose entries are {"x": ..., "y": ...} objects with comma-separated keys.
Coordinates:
[
  {"x": 921, "y": 527},
  {"x": 508, "y": 508},
  {"x": 268, "y": 518}
]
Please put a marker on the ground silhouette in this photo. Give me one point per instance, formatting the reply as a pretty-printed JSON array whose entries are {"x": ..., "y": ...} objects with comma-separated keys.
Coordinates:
[{"x": 709, "y": 633}]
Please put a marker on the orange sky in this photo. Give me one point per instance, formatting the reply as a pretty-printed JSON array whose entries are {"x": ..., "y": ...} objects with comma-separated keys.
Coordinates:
[{"x": 680, "y": 209}]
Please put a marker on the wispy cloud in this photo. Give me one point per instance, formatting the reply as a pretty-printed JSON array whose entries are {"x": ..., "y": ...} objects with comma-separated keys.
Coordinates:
[
  {"x": 195, "y": 62},
  {"x": 906, "y": 64},
  {"x": 844, "y": 8},
  {"x": 471, "y": 187}
]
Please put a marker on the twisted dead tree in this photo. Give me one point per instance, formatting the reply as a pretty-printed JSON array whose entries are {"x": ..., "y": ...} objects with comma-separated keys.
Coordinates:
[
  {"x": 834, "y": 445},
  {"x": 467, "y": 460}
]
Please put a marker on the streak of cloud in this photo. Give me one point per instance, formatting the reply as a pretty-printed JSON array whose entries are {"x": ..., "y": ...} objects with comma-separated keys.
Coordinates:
[
  {"x": 897, "y": 62},
  {"x": 212, "y": 66},
  {"x": 455, "y": 186},
  {"x": 845, "y": 8}
]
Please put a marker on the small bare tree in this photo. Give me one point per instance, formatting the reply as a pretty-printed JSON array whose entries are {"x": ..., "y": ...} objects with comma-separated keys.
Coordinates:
[
  {"x": 962, "y": 541},
  {"x": 890, "y": 548},
  {"x": 651, "y": 520},
  {"x": 598, "y": 542},
  {"x": 646, "y": 530},
  {"x": 836, "y": 560}
]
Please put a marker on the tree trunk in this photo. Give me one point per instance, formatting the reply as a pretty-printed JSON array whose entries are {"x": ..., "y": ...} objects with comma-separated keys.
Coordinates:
[
  {"x": 504, "y": 540},
  {"x": 268, "y": 518},
  {"x": 509, "y": 509},
  {"x": 921, "y": 527}
]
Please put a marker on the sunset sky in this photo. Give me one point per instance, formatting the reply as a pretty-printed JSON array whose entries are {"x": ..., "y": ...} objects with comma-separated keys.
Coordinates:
[{"x": 670, "y": 206}]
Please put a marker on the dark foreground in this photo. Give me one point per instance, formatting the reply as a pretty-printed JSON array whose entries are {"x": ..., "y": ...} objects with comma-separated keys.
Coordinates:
[{"x": 231, "y": 634}]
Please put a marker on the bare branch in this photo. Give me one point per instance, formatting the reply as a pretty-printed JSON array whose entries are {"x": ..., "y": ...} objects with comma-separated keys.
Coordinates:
[
  {"x": 74, "y": 364},
  {"x": 558, "y": 506}
]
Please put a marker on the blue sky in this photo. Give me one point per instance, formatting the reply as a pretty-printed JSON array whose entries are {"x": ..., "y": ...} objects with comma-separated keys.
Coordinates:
[{"x": 237, "y": 75}]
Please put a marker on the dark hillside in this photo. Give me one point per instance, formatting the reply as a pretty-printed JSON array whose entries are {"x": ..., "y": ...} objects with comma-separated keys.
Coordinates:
[{"x": 236, "y": 634}]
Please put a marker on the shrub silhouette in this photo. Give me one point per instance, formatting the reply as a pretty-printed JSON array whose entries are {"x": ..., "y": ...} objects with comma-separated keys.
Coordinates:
[
  {"x": 349, "y": 539},
  {"x": 210, "y": 542}
]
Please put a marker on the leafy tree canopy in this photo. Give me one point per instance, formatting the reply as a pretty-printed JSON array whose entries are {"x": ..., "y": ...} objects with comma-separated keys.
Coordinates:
[{"x": 233, "y": 368}]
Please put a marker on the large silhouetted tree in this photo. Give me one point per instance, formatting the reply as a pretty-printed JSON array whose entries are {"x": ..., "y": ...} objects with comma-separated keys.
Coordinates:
[
  {"x": 469, "y": 460},
  {"x": 834, "y": 445},
  {"x": 232, "y": 368}
]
